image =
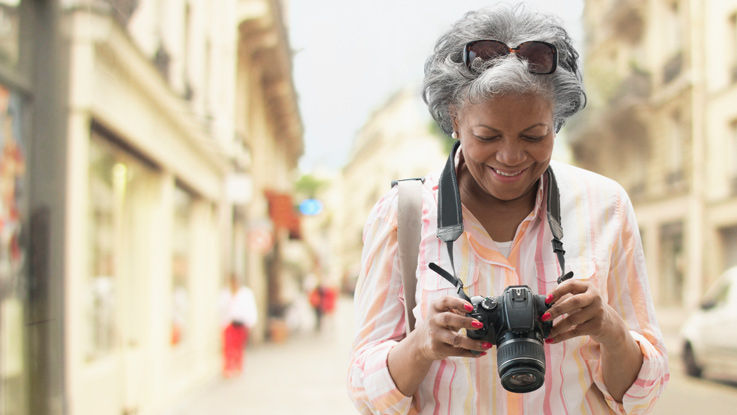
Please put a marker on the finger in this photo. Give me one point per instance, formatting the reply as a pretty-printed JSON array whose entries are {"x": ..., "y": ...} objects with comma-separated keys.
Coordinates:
[
  {"x": 459, "y": 340},
  {"x": 450, "y": 303},
  {"x": 570, "y": 287},
  {"x": 579, "y": 330},
  {"x": 456, "y": 322},
  {"x": 572, "y": 320},
  {"x": 575, "y": 302}
]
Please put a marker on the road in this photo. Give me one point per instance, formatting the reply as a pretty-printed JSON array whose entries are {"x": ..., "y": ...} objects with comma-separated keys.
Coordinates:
[{"x": 306, "y": 375}]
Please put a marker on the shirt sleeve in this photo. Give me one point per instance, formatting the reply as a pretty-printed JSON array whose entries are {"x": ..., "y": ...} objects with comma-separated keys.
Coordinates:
[
  {"x": 628, "y": 289},
  {"x": 380, "y": 317}
]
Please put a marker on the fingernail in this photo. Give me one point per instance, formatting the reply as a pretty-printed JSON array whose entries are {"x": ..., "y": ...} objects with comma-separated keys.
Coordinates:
[
  {"x": 545, "y": 316},
  {"x": 549, "y": 299},
  {"x": 486, "y": 345},
  {"x": 482, "y": 354},
  {"x": 477, "y": 324},
  {"x": 549, "y": 340},
  {"x": 468, "y": 307}
]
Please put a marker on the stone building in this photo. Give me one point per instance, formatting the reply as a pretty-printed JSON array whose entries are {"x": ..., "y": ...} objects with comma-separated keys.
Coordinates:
[
  {"x": 145, "y": 145},
  {"x": 396, "y": 142},
  {"x": 662, "y": 120}
]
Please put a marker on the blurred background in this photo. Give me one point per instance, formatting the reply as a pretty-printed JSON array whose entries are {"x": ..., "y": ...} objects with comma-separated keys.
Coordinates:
[{"x": 151, "y": 149}]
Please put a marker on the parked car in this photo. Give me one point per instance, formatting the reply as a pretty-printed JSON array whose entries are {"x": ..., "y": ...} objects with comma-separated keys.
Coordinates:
[{"x": 710, "y": 334}]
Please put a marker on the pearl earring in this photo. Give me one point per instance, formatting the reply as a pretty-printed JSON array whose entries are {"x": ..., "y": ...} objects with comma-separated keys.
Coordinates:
[{"x": 454, "y": 135}]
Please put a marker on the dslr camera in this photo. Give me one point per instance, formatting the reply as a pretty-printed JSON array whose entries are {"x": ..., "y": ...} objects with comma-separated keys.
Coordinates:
[{"x": 511, "y": 322}]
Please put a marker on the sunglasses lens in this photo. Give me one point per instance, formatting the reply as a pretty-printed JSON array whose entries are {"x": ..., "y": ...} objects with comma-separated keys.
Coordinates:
[
  {"x": 486, "y": 49},
  {"x": 540, "y": 56}
]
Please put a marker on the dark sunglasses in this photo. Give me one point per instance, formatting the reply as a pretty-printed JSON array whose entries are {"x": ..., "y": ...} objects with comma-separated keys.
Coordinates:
[{"x": 542, "y": 57}]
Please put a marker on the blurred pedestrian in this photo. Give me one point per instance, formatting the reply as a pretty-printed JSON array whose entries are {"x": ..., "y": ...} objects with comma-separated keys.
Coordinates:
[
  {"x": 239, "y": 315},
  {"x": 502, "y": 82}
]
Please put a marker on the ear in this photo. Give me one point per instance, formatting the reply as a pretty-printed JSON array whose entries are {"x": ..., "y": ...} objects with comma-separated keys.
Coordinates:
[{"x": 453, "y": 117}]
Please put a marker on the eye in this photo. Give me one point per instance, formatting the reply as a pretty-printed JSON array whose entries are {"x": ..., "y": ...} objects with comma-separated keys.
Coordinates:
[
  {"x": 533, "y": 138},
  {"x": 487, "y": 138}
]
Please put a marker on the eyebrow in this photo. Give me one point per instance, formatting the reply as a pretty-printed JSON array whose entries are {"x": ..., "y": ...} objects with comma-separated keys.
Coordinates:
[{"x": 528, "y": 128}]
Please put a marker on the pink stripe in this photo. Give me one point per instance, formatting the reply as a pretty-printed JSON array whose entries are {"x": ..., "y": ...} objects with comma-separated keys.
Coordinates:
[
  {"x": 562, "y": 400},
  {"x": 450, "y": 386},
  {"x": 436, "y": 387}
]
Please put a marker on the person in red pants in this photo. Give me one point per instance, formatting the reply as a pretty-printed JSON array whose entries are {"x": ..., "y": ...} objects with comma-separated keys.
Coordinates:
[{"x": 239, "y": 315}]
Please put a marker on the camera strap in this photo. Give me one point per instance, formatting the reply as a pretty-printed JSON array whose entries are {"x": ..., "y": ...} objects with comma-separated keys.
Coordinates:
[{"x": 450, "y": 217}]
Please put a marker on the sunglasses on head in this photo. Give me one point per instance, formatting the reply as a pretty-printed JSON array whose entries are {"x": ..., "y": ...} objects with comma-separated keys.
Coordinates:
[{"x": 542, "y": 57}]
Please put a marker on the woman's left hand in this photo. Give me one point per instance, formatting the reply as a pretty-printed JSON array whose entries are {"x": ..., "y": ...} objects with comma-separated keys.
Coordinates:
[{"x": 584, "y": 313}]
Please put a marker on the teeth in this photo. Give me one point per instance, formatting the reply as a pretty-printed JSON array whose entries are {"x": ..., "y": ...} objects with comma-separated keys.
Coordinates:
[{"x": 501, "y": 173}]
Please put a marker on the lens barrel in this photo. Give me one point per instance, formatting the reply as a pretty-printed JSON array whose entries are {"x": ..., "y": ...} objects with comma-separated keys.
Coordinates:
[{"x": 521, "y": 364}]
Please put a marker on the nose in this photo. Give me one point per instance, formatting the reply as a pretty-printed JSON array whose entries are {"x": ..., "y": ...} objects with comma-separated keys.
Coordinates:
[{"x": 511, "y": 152}]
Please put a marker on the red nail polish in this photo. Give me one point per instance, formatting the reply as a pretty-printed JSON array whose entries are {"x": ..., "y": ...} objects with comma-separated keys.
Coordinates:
[
  {"x": 545, "y": 316},
  {"x": 482, "y": 354},
  {"x": 468, "y": 307},
  {"x": 549, "y": 299},
  {"x": 486, "y": 345},
  {"x": 477, "y": 324},
  {"x": 549, "y": 340}
]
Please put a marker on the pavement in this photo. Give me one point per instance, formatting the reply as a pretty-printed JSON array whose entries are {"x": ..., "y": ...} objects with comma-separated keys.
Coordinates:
[{"x": 304, "y": 375}]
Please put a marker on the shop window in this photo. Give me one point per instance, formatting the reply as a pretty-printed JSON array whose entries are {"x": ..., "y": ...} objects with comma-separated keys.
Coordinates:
[
  {"x": 13, "y": 252},
  {"x": 114, "y": 179},
  {"x": 101, "y": 283},
  {"x": 181, "y": 267}
]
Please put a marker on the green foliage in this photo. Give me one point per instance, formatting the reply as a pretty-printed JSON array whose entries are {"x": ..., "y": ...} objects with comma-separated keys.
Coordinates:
[
  {"x": 436, "y": 132},
  {"x": 308, "y": 185}
]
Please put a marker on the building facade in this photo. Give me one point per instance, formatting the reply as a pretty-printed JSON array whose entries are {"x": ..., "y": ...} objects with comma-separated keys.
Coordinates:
[
  {"x": 398, "y": 141},
  {"x": 661, "y": 119},
  {"x": 143, "y": 141}
]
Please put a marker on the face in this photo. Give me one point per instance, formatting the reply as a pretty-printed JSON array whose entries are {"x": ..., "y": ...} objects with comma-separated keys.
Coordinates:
[{"x": 507, "y": 142}]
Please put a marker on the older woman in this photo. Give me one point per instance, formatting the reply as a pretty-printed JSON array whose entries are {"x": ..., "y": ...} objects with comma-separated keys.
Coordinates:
[{"x": 502, "y": 82}]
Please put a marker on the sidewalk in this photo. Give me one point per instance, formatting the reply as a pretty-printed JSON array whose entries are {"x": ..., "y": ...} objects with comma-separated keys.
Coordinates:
[{"x": 304, "y": 375}]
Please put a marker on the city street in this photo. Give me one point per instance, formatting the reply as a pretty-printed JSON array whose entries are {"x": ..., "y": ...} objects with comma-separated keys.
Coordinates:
[{"x": 306, "y": 375}]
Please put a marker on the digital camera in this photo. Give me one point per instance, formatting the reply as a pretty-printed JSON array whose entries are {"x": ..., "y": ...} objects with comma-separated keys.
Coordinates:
[{"x": 512, "y": 322}]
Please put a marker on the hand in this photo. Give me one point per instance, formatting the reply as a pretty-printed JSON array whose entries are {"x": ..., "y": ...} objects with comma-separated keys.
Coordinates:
[
  {"x": 583, "y": 312},
  {"x": 439, "y": 336}
]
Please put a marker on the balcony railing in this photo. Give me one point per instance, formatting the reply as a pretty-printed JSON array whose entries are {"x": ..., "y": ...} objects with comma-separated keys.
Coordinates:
[{"x": 672, "y": 67}]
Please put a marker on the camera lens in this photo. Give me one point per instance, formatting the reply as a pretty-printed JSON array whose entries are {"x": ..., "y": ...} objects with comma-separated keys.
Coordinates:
[{"x": 521, "y": 363}]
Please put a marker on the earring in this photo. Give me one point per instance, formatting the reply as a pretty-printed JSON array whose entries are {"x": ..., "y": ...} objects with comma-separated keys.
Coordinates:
[{"x": 454, "y": 134}]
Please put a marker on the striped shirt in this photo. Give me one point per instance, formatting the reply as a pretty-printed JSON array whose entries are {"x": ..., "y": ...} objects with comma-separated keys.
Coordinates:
[{"x": 602, "y": 245}]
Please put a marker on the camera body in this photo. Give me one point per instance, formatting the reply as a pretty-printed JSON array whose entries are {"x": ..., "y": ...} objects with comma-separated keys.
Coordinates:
[{"x": 512, "y": 322}]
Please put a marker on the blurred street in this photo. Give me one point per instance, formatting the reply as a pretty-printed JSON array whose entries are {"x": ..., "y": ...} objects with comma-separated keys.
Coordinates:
[{"x": 306, "y": 375}]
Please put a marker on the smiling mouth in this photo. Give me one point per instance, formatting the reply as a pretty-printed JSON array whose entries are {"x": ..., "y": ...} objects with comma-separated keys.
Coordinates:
[{"x": 508, "y": 173}]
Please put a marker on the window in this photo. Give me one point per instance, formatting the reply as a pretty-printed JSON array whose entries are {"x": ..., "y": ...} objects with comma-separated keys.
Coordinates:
[
  {"x": 672, "y": 42},
  {"x": 9, "y": 32},
  {"x": 13, "y": 252},
  {"x": 731, "y": 43},
  {"x": 677, "y": 132},
  {"x": 181, "y": 252},
  {"x": 105, "y": 181},
  {"x": 672, "y": 264},
  {"x": 116, "y": 182},
  {"x": 731, "y": 154}
]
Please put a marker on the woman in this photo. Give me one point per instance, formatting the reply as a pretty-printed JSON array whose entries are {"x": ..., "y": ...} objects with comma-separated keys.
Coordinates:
[{"x": 605, "y": 352}]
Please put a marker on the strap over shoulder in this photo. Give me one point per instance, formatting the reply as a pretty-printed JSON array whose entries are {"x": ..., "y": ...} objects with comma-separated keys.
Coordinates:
[{"x": 409, "y": 223}]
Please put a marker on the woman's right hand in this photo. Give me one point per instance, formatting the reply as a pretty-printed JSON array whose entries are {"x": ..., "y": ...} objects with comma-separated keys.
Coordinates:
[{"x": 439, "y": 336}]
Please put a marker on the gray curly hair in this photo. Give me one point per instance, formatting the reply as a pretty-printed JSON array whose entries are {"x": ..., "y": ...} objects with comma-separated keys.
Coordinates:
[{"x": 449, "y": 84}]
